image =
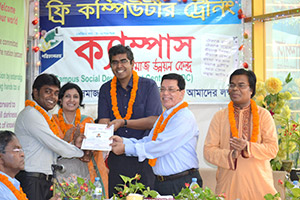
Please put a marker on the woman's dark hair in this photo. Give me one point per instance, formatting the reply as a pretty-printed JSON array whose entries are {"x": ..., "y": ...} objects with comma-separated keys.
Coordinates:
[
  {"x": 120, "y": 49},
  {"x": 251, "y": 78},
  {"x": 45, "y": 79},
  {"x": 174, "y": 76},
  {"x": 66, "y": 87},
  {"x": 5, "y": 137}
]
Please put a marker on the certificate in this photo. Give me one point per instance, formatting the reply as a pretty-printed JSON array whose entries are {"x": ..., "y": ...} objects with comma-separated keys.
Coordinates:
[{"x": 97, "y": 137}]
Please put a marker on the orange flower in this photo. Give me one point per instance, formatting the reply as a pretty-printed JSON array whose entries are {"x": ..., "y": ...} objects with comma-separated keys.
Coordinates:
[
  {"x": 113, "y": 94},
  {"x": 161, "y": 127},
  {"x": 255, "y": 129},
  {"x": 187, "y": 185},
  {"x": 62, "y": 123},
  {"x": 20, "y": 195},
  {"x": 50, "y": 122}
]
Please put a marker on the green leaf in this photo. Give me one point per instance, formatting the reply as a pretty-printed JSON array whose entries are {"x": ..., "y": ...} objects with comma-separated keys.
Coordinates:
[
  {"x": 125, "y": 179},
  {"x": 288, "y": 78},
  {"x": 296, "y": 192},
  {"x": 80, "y": 180},
  {"x": 288, "y": 185}
]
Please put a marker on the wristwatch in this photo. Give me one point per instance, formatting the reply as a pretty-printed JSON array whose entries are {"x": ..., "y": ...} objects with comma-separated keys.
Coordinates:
[{"x": 125, "y": 123}]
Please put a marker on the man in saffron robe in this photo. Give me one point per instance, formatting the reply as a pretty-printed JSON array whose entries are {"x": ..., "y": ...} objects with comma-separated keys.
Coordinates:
[{"x": 241, "y": 140}]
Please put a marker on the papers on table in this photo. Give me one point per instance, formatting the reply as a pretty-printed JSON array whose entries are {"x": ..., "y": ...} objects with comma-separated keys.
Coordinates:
[{"x": 97, "y": 137}]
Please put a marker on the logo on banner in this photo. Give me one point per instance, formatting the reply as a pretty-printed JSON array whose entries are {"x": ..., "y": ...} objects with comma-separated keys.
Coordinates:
[{"x": 51, "y": 46}]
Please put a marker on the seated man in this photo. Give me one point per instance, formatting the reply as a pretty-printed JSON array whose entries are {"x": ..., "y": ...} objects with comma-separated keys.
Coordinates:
[
  {"x": 11, "y": 162},
  {"x": 171, "y": 145}
]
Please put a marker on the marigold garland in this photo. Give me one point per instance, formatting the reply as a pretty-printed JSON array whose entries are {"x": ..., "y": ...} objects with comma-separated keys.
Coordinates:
[
  {"x": 255, "y": 121},
  {"x": 161, "y": 127},
  {"x": 20, "y": 195},
  {"x": 113, "y": 94},
  {"x": 62, "y": 123},
  {"x": 50, "y": 122}
]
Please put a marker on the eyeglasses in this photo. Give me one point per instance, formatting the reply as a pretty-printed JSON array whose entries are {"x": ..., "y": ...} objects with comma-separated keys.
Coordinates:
[
  {"x": 115, "y": 63},
  {"x": 15, "y": 150},
  {"x": 170, "y": 90},
  {"x": 239, "y": 86}
]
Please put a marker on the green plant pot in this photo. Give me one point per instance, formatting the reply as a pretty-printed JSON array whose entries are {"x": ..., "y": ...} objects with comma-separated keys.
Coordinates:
[{"x": 287, "y": 165}]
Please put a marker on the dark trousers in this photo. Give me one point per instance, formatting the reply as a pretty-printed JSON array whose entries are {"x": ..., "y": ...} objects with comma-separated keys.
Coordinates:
[
  {"x": 174, "y": 186},
  {"x": 128, "y": 166},
  {"x": 35, "y": 188}
]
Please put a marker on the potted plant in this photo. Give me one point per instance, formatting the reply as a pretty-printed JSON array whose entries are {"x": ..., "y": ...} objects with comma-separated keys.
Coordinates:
[
  {"x": 132, "y": 186},
  {"x": 198, "y": 193},
  {"x": 270, "y": 96},
  {"x": 291, "y": 191},
  {"x": 287, "y": 137},
  {"x": 73, "y": 188}
]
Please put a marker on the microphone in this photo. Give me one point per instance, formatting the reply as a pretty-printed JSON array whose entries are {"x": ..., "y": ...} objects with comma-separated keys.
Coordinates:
[{"x": 57, "y": 167}]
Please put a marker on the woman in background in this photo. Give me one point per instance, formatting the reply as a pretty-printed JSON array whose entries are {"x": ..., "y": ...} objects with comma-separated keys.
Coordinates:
[{"x": 71, "y": 122}]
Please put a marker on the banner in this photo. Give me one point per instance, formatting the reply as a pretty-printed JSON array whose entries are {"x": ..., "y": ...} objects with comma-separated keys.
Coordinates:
[
  {"x": 197, "y": 39},
  {"x": 12, "y": 57}
]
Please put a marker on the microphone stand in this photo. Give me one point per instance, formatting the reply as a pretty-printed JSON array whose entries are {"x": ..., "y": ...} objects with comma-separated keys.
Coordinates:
[{"x": 55, "y": 181}]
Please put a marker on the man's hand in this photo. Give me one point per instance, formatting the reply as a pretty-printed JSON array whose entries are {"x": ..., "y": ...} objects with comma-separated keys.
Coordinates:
[
  {"x": 235, "y": 154},
  {"x": 117, "y": 146},
  {"x": 238, "y": 144},
  {"x": 118, "y": 123},
  {"x": 78, "y": 141}
]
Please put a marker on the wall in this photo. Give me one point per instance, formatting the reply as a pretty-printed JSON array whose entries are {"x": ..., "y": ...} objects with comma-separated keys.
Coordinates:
[{"x": 203, "y": 114}]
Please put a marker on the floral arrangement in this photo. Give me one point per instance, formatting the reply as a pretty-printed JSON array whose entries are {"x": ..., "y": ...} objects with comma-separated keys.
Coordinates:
[
  {"x": 131, "y": 186},
  {"x": 73, "y": 188},
  {"x": 291, "y": 192},
  {"x": 198, "y": 193},
  {"x": 270, "y": 96}
]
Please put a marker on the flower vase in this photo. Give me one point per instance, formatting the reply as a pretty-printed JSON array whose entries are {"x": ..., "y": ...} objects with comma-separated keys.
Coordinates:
[{"x": 287, "y": 165}]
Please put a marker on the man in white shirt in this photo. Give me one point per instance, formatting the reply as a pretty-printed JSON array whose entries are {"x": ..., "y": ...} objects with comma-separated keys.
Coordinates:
[{"x": 37, "y": 134}]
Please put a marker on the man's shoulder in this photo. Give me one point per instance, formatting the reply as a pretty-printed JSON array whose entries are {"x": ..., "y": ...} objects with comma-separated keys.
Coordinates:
[
  {"x": 27, "y": 111},
  {"x": 105, "y": 86},
  {"x": 147, "y": 82}
]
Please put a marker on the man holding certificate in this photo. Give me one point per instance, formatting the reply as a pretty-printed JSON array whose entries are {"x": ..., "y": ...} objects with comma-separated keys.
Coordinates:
[
  {"x": 130, "y": 103},
  {"x": 171, "y": 144}
]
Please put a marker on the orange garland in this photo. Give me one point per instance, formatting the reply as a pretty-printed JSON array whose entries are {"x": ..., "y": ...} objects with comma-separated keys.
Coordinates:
[
  {"x": 161, "y": 127},
  {"x": 62, "y": 123},
  {"x": 255, "y": 129},
  {"x": 20, "y": 195},
  {"x": 113, "y": 94},
  {"x": 50, "y": 122}
]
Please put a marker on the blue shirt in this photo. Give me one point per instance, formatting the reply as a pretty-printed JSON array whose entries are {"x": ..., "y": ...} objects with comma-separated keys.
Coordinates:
[
  {"x": 174, "y": 148},
  {"x": 5, "y": 193},
  {"x": 147, "y": 103}
]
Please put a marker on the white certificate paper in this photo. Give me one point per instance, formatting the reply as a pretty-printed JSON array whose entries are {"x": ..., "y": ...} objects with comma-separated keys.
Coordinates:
[{"x": 97, "y": 137}]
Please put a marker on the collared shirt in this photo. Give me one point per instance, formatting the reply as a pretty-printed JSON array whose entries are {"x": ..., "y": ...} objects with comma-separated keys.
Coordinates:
[
  {"x": 147, "y": 103},
  {"x": 41, "y": 147},
  {"x": 174, "y": 148},
  {"x": 5, "y": 193}
]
